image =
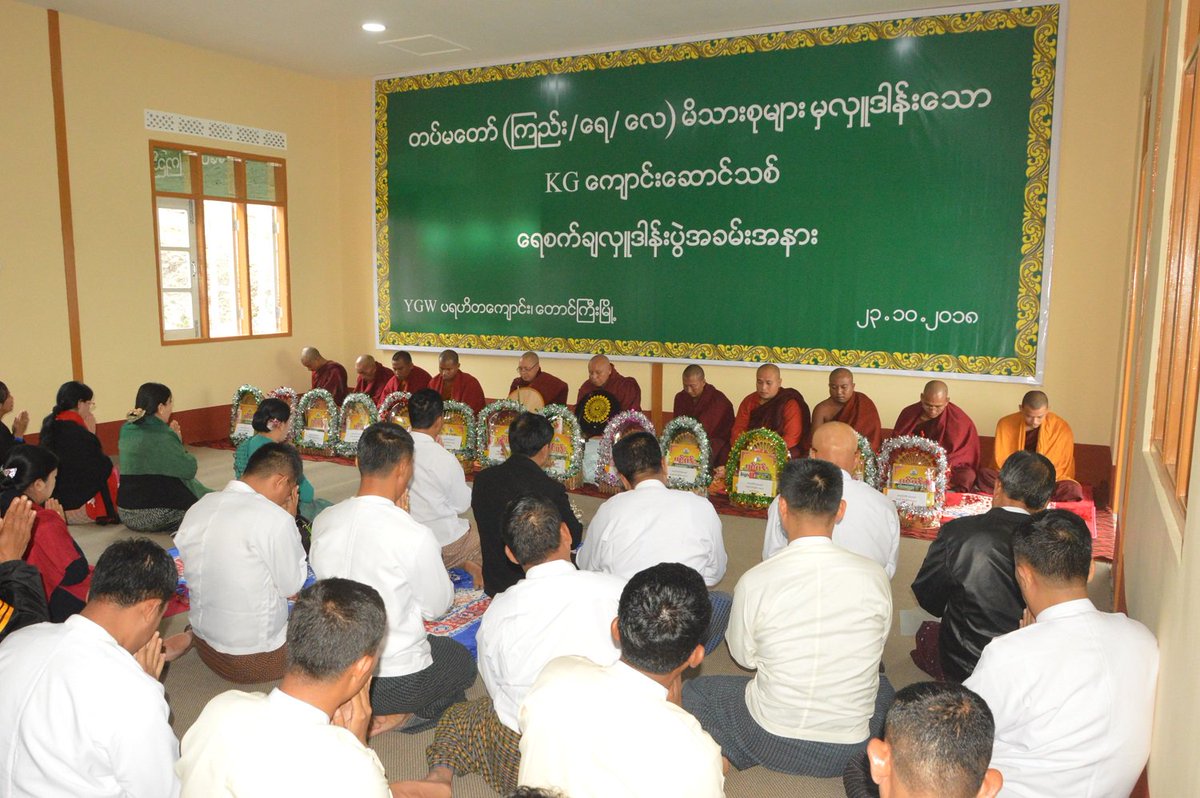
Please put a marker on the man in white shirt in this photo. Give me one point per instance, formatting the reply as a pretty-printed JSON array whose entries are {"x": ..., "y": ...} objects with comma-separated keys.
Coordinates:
[
  {"x": 1073, "y": 690},
  {"x": 243, "y": 560},
  {"x": 593, "y": 730},
  {"x": 812, "y": 620},
  {"x": 555, "y": 611},
  {"x": 82, "y": 712},
  {"x": 246, "y": 744},
  {"x": 371, "y": 539},
  {"x": 439, "y": 491},
  {"x": 871, "y": 525}
]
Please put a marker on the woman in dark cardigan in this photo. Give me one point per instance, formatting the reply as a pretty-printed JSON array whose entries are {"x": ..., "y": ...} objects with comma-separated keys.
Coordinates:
[
  {"x": 87, "y": 482},
  {"x": 10, "y": 437}
]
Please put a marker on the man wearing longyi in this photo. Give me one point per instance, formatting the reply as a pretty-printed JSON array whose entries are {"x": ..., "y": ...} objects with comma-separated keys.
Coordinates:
[
  {"x": 779, "y": 409},
  {"x": 455, "y": 384},
  {"x": 552, "y": 390},
  {"x": 849, "y": 406},
  {"x": 937, "y": 418},
  {"x": 602, "y": 375},
  {"x": 373, "y": 379},
  {"x": 710, "y": 407},
  {"x": 327, "y": 374},
  {"x": 1033, "y": 428}
]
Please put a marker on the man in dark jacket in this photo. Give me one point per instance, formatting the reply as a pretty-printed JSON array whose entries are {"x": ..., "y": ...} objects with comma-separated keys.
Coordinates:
[
  {"x": 529, "y": 439},
  {"x": 968, "y": 577}
]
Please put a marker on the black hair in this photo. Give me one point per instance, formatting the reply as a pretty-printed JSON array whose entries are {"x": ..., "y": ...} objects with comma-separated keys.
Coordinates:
[
  {"x": 425, "y": 407},
  {"x": 531, "y": 528},
  {"x": 448, "y": 356},
  {"x": 334, "y": 623},
  {"x": 1056, "y": 544},
  {"x": 70, "y": 394},
  {"x": 3, "y": 393},
  {"x": 270, "y": 409},
  {"x": 662, "y": 617},
  {"x": 637, "y": 453},
  {"x": 1028, "y": 477},
  {"x": 275, "y": 458},
  {"x": 382, "y": 447},
  {"x": 812, "y": 487},
  {"x": 133, "y": 570},
  {"x": 149, "y": 396},
  {"x": 528, "y": 433},
  {"x": 27, "y": 464},
  {"x": 402, "y": 356},
  {"x": 941, "y": 738}
]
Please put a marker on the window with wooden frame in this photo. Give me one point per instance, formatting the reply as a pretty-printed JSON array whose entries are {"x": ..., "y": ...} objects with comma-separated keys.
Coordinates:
[
  {"x": 220, "y": 238},
  {"x": 1179, "y": 348}
]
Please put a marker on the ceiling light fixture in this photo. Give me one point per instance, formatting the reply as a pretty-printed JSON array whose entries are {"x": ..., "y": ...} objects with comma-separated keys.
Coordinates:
[{"x": 374, "y": 27}]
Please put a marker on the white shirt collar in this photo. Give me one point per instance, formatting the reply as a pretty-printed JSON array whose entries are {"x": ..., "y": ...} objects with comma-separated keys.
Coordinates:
[
  {"x": 650, "y": 484},
  {"x": 1018, "y": 510},
  {"x": 425, "y": 435},
  {"x": 637, "y": 680},
  {"x": 1066, "y": 609},
  {"x": 294, "y": 707},
  {"x": 551, "y": 568},
  {"x": 810, "y": 540},
  {"x": 237, "y": 486}
]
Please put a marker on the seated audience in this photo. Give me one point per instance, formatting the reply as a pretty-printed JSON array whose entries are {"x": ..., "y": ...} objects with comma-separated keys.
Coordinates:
[
  {"x": 937, "y": 741},
  {"x": 849, "y": 406},
  {"x": 82, "y": 712},
  {"x": 871, "y": 525},
  {"x": 781, "y": 410},
  {"x": 529, "y": 438},
  {"x": 158, "y": 475},
  {"x": 270, "y": 425},
  {"x": 10, "y": 437},
  {"x": 247, "y": 744},
  {"x": 371, "y": 539},
  {"x": 968, "y": 578},
  {"x": 550, "y": 389},
  {"x": 439, "y": 491},
  {"x": 710, "y": 407},
  {"x": 373, "y": 379},
  {"x": 603, "y": 376},
  {"x": 937, "y": 418},
  {"x": 1033, "y": 428},
  {"x": 326, "y": 374},
  {"x": 407, "y": 376},
  {"x": 87, "y": 480},
  {"x": 30, "y": 471},
  {"x": 555, "y": 611},
  {"x": 596, "y": 730},
  {"x": 1073, "y": 691},
  {"x": 242, "y": 560},
  {"x": 812, "y": 620},
  {"x": 22, "y": 597},
  {"x": 455, "y": 384}
]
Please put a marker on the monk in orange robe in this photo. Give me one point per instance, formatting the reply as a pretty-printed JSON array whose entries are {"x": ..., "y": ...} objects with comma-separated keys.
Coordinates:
[
  {"x": 849, "y": 406},
  {"x": 406, "y": 375},
  {"x": 710, "y": 407},
  {"x": 373, "y": 379},
  {"x": 327, "y": 374},
  {"x": 455, "y": 384},
  {"x": 937, "y": 418},
  {"x": 773, "y": 407},
  {"x": 602, "y": 374},
  {"x": 552, "y": 390},
  {"x": 1033, "y": 428}
]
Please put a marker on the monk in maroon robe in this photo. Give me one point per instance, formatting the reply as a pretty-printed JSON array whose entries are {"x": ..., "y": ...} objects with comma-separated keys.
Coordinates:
[
  {"x": 779, "y": 409},
  {"x": 710, "y": 407},
  {"x": 552, "y": 390},
  {"x": 455, "y": 384},
  {"x": 373, "y": 379},
  {"x": 603, "y": 374},
  {"x": 327, "y": 374},
  {"x": 849, "y": 406},
  {"x": 406, "y": 375},
  {"x": 937, "y": 418}
]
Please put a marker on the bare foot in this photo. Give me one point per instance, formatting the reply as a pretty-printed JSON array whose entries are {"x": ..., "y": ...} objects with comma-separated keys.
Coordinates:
[
  {"x": 476, "y": 572},
  {"x": 176, "y": 646},
  {"x": 385, "y": 723}
]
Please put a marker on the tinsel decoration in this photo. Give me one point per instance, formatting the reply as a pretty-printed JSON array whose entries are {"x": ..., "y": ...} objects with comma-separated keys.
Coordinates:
[
  {"x": 286, "y": 394},
  {"x": 459, "y": 413},
  {"x": 617, "y": 427},
  {"x": 681, "y": 424},
  {"x": 483, "y": 431},
  {"x": 235, "y": 437},
  {"x": 570, "y": 425},
  {"x": 870, "y": 466},
  {"x": 763, "y": 440},
  {"x": 595, "y": 411},
  {"x": 353, "y": 401},
  {"x": 393, "y": 403},
  {"x": 911, "y": 514},
  {"x": 306, "y": 402}
]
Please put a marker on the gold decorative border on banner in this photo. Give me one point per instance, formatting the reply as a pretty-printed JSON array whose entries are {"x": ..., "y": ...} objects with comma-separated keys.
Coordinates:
[{"x": 1023, "y": 363}]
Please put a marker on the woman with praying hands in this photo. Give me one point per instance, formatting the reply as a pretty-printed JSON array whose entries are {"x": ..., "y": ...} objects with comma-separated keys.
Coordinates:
[
  {"x": 10, "y": 437},
  {"x": 270, "y": 424},
  {"x": 158, "y": 475},
  {"x": 87, "y": 481}
]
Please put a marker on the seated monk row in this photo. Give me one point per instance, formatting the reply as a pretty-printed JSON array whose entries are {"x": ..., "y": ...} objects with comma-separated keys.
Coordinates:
[{"x": 372, "y": 380}]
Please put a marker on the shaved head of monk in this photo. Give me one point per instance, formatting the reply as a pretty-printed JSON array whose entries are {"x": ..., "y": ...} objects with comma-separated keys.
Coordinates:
[
  {"x": 599, "y": 370},
  {"x": 1034, "y": 407},
  {"x": 841, "y": 385},
  {"x": 402, "y": 364},
  {"x": 448, "y": 365},
  {"x": 836, "y": 443},
  {"x": 934, "y": 399},
  {"x": 693, "y": 381},
  {"x": 310, "y": 358},
  {"x": 528, "y": 366},
  {"x": 768, "y": 381},
  {"x": 365, "y": 366}
]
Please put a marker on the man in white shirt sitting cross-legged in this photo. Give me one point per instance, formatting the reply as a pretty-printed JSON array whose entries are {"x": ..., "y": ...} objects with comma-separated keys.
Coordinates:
[
  {"x": 371, "y": 539},
  {"x": 1072, "y": 691},
  {"x": 439, "y": 492},
  {"x": 554, "y": 611},
  {"x": 243, "y": 560}
]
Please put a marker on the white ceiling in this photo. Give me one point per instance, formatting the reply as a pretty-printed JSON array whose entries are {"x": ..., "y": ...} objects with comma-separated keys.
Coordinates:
[{"x": 325, "y": 38}]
